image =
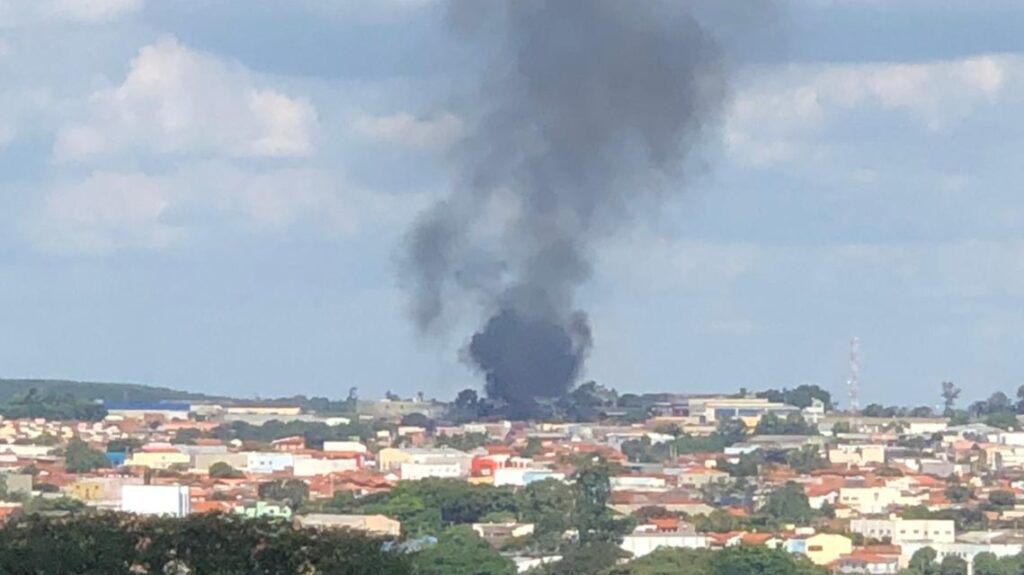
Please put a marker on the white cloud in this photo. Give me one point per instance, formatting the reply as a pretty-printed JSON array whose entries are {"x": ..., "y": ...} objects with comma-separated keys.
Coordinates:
[
  {"x": 778, "y": 112},
  {"x": 175, "y": 100},
  {"x": 106, "y": 212},
  {"x": 123, "y": 211},
  {"x": 270, "y": 199},
  {"x": 436, "y": 133}
]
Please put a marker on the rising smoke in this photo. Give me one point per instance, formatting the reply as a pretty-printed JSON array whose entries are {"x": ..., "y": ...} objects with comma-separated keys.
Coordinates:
[{"x": 586, "y": 113}]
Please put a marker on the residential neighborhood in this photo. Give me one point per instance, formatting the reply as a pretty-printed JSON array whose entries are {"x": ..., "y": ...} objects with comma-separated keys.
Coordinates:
[{"x": 783, "y": 470}]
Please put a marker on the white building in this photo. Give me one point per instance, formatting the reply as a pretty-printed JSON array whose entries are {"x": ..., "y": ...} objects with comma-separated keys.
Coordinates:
[
  {"x": 523, "y": 476},
  {"x": 410, "y": 471},
  {"x": 901, "y": 531},
  {"x": 877, "y": 500},
  {"x": 647, "y": 539},
  {"x": 344, "y": 446},
  {"x": 310, "y": 466},
  {"x": 268, "y": 461},
  {"x": 169, "y": 500}
]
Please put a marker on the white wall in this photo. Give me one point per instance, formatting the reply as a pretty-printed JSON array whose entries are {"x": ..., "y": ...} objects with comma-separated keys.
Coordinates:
[
  {"x": 415, "y": 471},
  {"x": 308, "y": 467},
  {"x": 642, "y": 544},
  {"x": 171, "y": 500}
]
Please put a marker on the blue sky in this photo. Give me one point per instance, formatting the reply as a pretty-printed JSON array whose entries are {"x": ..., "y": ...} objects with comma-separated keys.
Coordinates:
[{"x": 211, "y": 195}]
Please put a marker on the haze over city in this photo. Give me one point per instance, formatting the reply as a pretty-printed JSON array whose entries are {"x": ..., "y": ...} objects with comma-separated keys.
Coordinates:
[{"x": 216, "y": 196}]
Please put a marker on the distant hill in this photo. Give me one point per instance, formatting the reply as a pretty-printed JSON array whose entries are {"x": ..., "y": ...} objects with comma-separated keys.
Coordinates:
[{"x": 105, "y": 391}]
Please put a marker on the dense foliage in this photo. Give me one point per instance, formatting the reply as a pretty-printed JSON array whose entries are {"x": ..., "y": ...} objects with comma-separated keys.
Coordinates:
[
  {"x": 51, "y": 405},
  {"x": 222, "y": 470},
  {"x": 291, "y": 492},
  {"x": 315, "y": 433},
  {"x": 463, "y": 441},
  {"x": 427, "y": 507},
  {"x": 793, "y": 424},
  {"x": 801, "y": 396},
  {"x": 110, "y": 544},
  {"x": 742, "y": 560},
  {"x": 891, "y": 411},
  {"x": 80, "y": 458},
  {"x": 460, "y": 551},
  {"x": 728, "y": 433},
  {"x": 90, "y": 391}
]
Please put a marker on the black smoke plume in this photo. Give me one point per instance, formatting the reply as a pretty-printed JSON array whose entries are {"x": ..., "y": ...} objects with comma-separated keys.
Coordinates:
[{"x": 586, "y": 113}]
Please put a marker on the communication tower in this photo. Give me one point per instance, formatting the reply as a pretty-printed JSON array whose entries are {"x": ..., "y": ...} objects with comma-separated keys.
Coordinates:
[{"x": 853, "y": 381}]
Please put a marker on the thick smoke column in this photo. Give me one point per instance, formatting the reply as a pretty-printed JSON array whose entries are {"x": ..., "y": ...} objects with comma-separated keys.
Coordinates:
[{"x": 586, "y": 114}]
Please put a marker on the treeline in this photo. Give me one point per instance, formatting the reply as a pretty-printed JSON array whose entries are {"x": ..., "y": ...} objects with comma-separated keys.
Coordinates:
[
  {"x": 314, "y": 432},
  {"x": 926, "y": 562},
  {"x": 801, "y": 396},
  {"x": 92, "y": 391},
  {"x": 51, "y": 405},
  {"x": 114, "y": 544},
  {"x": 430, "y": 506},
  {"x": 741, "y": 560},
  {"x": 591, "y": 401},
  {"x": 728, "y": 433}
]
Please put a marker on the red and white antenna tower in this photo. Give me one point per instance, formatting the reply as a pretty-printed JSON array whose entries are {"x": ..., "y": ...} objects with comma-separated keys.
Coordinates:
[{"x": 853, "y": 381}]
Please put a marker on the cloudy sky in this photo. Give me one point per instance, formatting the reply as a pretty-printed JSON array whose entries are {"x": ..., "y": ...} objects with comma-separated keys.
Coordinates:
[{"x": 211, "y": 195}]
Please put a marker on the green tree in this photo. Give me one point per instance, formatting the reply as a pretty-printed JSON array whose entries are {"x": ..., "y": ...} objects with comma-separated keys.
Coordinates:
[
  {"x": 533, "y": 447},
  {"x": 950, "y": 393},
  {"x": 801, "y": 396},
  {"x": 80, "y": 458},
  {"x": 114, "y": 544},
  {"x": 793, "y": 424},
  {"x": 806, "y": 459},
  {"x": 222, "y": 470},
  {"x": 591, "y": 516},
  {"x": 426, "y": 507},
  {"x": 953, "y": 565},
  {"x": 416, "y": 517},
  {"x": 1003, "y": 419},
  {"x": 586, "y": 559},
  {"x": 48, "y": 505},
  {"x": 293, "y": 492},
  {"x": 669, "y": 562},
  {"x": 759, "y": 560},
  {"x": 187, "y": 436},
  {"x": 958, "y": 417},
  {"x": 549, "y": 505},
  {"x": 922, "y": 562},
  {"x": 460, "y": 551},
  {"x": 1002, "y": 498},
  {"x": 986, "y": 563},
  {"x": 123, "y": 445},
  {"x": 463, "y": 441},
  {"x": 51, "y": 405},
  {"x": 788, "y": 504},
  {"x": 958, "y": 493},
  {"x": 417, "y": 420}
]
